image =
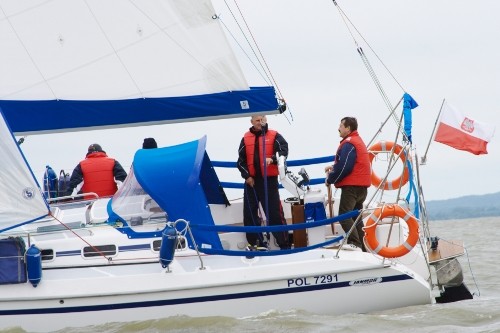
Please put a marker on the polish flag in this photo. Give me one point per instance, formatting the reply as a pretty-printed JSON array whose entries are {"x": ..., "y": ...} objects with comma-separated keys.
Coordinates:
[{"x": 462, "y": 132}]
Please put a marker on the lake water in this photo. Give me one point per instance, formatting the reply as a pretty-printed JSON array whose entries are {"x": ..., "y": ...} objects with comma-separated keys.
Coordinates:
[{"x": 482, "y": 314}]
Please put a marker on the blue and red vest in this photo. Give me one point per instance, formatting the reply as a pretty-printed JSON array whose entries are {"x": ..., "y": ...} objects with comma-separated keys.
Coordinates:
[
  {"x": 361, "y": 172},
  {"x": 249, "y": 139},
  {"x": 98, "y": 177}
]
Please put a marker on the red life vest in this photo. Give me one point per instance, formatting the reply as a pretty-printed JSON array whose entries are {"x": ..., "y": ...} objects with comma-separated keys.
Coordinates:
[
  {"x": 361, "y": 173},
  {"x": 98, "y": 177},
  {"x": 249, "y": 139}
]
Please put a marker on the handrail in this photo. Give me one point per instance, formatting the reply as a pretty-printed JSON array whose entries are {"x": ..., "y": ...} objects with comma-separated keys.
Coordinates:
[
  {"x": 274, "y": 228},
  {"x": 295, "y": 226},
  {"x": 291, "y": 163},
  {"x": 306, "y": 161},
  {"x": 271, "y": 253},
  {"x": 70, "y": 198}
]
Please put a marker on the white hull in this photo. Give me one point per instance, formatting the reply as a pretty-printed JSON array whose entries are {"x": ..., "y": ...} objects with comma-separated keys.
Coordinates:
[{"x": 314, "y": 281}]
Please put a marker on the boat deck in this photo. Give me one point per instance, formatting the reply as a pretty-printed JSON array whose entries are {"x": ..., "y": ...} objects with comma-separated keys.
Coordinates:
[{"x": 446, "y": 250}]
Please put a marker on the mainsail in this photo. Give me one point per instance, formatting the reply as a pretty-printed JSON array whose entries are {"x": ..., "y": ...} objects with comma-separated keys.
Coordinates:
[
  {"x": 70, "y": 65},
  {"x": 21, "y": 200}
]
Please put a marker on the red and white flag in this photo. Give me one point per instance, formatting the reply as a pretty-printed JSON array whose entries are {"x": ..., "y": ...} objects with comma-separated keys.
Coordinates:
[{"x": 462, "y": 132}]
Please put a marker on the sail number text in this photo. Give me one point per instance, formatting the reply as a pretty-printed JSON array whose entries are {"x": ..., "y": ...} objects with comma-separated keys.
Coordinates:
[{"x": 312, "y": 280}]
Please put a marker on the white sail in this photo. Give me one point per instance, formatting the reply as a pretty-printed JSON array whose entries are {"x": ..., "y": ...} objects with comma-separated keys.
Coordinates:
[
  {"x": 75, "y": 64},
  {"x": 21, "y": 200}
]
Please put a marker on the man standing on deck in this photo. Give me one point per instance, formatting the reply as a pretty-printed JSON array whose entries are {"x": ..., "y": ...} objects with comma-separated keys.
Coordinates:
[
  {"x": 259, "y": 167},
  {"x": 351, "y": 172}
]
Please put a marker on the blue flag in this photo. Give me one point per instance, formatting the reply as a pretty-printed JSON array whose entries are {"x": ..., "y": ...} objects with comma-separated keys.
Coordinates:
[{"x": 408, "y": 104}]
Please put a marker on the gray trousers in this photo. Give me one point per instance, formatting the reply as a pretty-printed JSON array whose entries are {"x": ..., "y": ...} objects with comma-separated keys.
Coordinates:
[{"x": 351, "y": 198}]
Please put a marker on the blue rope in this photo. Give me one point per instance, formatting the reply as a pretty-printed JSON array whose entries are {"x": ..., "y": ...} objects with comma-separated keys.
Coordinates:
[
  {"x": 315, "y": 181},
  {"x": 271, "y": 253},
  {"x": 273, "y": 228},
  {"x": 307, "y": 161},
  {"x": 413, "y": 190}
]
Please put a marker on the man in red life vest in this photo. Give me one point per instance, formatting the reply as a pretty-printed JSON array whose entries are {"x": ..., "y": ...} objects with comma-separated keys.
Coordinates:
[
  {"x": 98, "y": 173},
  {"x": 351, "y": 172},
  {"x": 258, "y": 166}
]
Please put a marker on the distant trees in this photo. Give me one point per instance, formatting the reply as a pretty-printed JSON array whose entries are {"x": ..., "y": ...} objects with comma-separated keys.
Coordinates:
[{"x": 465, "y": 207}]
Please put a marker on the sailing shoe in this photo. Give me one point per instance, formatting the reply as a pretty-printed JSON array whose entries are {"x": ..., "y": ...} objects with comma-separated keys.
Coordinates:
[
  {"x": 351, "y": 247},
  {"x": 250, "y": 248},
  {"x": 253, "y": 248}
]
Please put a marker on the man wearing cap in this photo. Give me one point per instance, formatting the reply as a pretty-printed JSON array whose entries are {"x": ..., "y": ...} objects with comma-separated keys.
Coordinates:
[{"x": 98, "y": 172}]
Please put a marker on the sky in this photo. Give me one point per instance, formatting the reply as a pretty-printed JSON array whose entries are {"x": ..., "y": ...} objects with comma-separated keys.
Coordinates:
[{"x": 435, "y": 50}]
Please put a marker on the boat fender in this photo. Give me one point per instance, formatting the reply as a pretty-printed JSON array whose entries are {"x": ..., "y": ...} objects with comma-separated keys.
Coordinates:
[
  {"x": 168, "y": 244},
  {"x": 34, "y": 265},
  {"x": 387, "y": 251},
  {"x": 50, "y": 183},
  {"x": 386, "y": 146}
]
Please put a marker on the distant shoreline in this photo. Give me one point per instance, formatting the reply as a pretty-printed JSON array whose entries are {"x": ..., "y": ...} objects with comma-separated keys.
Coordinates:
[{"x": 472, "y": 206}]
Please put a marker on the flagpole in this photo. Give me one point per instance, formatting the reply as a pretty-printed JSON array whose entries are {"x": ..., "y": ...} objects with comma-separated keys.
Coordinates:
[{"x": 424, "y": 158}]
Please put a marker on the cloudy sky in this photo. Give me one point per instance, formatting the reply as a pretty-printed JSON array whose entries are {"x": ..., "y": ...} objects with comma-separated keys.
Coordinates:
[{"x": 434, "y": 49}]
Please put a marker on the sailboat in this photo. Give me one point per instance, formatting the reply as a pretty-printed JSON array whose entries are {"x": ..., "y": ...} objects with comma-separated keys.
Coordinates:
[{"x": 169, "y": 242}]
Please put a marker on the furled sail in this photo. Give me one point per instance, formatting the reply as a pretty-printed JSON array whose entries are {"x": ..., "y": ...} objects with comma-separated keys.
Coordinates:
[
  {"x": 70, "y": 65},
  {"x": 21, "y": 200}
]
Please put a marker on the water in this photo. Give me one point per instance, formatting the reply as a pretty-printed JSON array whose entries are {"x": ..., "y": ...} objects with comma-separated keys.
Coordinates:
[{"x": 482, "y": 314}]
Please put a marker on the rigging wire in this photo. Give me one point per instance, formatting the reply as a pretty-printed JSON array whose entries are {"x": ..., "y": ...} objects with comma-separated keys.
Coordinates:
[
  {"x": 344, "y": 18},
  {"x": 375, "y": 79},
  {"x": 266, "y": 66},
  {"x": 472, "y": 273},
  {"x": 264, "y": 76},
  {"x": 350, "y": 27},
  {"x": 176, "y": 42},
  {"x": 259, "y": 57}
]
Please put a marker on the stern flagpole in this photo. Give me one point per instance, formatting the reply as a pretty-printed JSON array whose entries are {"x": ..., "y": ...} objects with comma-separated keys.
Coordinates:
[{"x": 424, "y": 158}]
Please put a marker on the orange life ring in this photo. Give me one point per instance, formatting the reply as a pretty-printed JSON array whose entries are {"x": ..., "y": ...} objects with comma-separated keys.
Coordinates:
[
  {"x": 386, "y": 146},
  {"x": 385, "y": 251}
]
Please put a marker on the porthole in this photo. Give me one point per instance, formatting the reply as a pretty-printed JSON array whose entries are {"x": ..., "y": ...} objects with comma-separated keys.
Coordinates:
[
  {"x": 99, "y": 250},
  {"x": 47, "y": 255}
]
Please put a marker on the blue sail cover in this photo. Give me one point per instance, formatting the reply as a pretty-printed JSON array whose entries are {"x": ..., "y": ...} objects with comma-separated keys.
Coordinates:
[
  {"x": 26, "y": 117},
  {"x": 183, "y": 182}
]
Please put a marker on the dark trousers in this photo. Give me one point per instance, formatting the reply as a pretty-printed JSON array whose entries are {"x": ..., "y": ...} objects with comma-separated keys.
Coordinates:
[
  {"x": 252, "y": 197},
  {"x": 351, "y": 198}
]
